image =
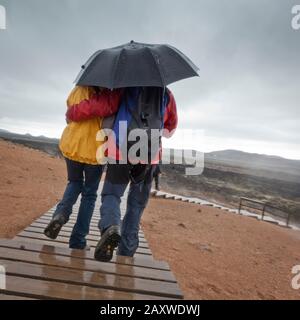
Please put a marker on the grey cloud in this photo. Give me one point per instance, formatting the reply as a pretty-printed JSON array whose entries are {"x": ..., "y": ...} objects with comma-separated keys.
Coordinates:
[{"x": 247, "y": 52}]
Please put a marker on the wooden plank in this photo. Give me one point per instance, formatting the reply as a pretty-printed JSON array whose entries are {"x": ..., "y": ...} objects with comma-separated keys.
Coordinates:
[
  {"x": 67, "y": 234},
  {"x": 93, "y": 225},
  {"x": 64, "y": 246},
  {"x": 138, "y": 261},
  {"x": 94, "y": 221},
  {"x": 95, "y": 218},
  {"x": 76, "y": 206},
  {"x": 13, "y": 297},
  {"x": 85, "y": 265},
  {"x": 91, "y": 279},
  {"x": 42, "y": 289},
  {"x": 75, "y": 211},
  {"x": 46, "y": 242},
  {"x": 66, "y": 227},
  {"x": 61, "y": 245},
  {"x": 69, "y": 229},
  {"x": 65, "y": 241},
  {"x": 73, "y": 216},
  {"x": 92, "y": 244},
  {"x": 70, "y": 224}
]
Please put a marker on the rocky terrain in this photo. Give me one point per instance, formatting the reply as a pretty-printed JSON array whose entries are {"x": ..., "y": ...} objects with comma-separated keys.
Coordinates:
[
  {"x": 230, "y": 174},
  {"x": 227, "y": 176}
]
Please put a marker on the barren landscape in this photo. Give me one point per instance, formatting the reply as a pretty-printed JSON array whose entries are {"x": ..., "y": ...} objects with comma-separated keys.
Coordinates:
[
  {"x": 228, "y": 175},
  {"x": 213, "y": 254}
]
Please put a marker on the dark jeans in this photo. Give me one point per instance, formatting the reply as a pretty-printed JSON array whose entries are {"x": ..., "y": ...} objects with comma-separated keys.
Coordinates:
[
  {"x": 118, "y": 176},
  {"x": 82, "y": 179}
]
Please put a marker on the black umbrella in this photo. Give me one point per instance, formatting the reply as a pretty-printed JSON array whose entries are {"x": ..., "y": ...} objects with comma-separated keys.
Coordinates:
[{"x": 135, "y": 65}]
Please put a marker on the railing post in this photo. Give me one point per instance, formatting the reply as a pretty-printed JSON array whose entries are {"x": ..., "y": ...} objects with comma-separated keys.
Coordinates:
[
  {"x": 263, "y": 211},
  {"x": 240, "y": 205},
  {"x": 288, "y": 219}
]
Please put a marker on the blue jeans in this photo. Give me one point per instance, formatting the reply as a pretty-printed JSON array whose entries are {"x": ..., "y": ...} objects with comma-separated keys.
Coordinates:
[
  {"x": 82, "y": 179},
  {"x": 116, "y": 182}
]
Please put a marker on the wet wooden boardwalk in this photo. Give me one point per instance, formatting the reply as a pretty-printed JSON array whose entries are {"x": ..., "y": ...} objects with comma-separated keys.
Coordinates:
[{"x": 40, "y": 268}]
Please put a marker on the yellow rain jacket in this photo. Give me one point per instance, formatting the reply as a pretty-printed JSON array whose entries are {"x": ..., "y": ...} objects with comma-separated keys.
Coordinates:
[{"x": 78, "y": 141}]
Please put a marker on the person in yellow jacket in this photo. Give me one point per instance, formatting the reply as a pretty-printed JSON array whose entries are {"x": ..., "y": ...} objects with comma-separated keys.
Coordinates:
[{"x": 79, "y": 146}]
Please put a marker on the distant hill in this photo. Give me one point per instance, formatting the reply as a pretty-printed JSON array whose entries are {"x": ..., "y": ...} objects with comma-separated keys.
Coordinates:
[
  {"x": 48, "y": 145},
  {"x": 260, "y": 165},
  {"x": 273, "y": 167},
  {"x": 257, "y": 164},
  {"x": 4, "y": 134},
  {"x": 246, "y": 158}
]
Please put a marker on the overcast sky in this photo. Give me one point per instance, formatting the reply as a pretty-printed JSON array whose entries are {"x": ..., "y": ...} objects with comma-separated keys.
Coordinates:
[{"x": 248, "y": 93}]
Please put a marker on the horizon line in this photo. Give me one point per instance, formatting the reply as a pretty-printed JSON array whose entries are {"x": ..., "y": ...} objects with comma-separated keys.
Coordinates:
[{"x": 166, "y": 148}]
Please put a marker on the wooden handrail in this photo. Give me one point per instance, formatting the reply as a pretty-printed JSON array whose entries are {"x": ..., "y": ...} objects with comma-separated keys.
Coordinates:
[{"x": 265, "y": 206}]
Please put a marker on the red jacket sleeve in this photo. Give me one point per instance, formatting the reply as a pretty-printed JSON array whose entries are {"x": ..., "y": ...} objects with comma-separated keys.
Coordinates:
[
  {"x": 170, "y": 118},
  {"x": 104, "y": 104}
]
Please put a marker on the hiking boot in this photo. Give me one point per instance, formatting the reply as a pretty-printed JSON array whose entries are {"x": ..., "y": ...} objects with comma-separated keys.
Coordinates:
[
  {"x": 53, "y": 228},
  {"x": 109, "y": 241}
]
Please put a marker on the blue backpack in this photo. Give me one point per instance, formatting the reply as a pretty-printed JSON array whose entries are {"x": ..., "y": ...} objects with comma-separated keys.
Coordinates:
[{"x": 142, "y": 108}]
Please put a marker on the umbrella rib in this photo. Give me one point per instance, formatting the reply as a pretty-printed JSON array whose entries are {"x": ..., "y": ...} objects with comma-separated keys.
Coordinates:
[
  {"x": 160, "y": 73},
  {"x": 183, "y": 56},
  {"x": 116, "y": 67},
  {"x": 88, "y": 64}
]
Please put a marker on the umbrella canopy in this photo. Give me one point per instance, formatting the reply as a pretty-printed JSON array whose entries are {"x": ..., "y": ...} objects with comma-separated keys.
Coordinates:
[{"x": 136, "y": 65}]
